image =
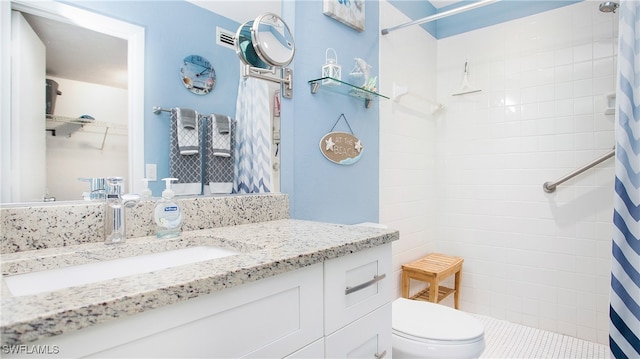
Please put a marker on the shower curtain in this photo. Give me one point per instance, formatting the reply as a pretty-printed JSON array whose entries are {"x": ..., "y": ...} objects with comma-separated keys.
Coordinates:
[
  {"x": 624, "y": 309},
  {"x": 252, "y": 170}
]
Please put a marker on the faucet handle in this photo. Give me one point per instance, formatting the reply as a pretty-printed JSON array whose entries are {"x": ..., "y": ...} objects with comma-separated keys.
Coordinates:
[
  {"x": 95, "y": 183},
  {"x": 114, "y": 185},
  {"x": 130, "y": 200}
]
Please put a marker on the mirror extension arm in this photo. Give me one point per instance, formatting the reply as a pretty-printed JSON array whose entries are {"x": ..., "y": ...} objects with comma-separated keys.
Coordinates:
[{"x": 286, "y": 78}]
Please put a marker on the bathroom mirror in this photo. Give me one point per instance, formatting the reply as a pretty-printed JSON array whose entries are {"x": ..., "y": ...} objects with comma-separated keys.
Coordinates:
[
  {"x": 245, "y": 49},
  {"x": 272, "y": 40},
  {"x": 136, "y": 109},
  {"x": 265, "y": 45},
  {"x": 125, "y": 139}
]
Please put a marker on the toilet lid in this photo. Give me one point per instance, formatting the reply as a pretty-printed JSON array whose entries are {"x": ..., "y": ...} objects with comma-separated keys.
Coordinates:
[{"x": 426, "y": 320}]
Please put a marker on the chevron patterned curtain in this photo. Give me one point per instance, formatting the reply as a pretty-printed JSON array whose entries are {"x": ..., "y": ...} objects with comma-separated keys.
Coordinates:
[
  {"x": 252, "y": 170},
  {"x": 624, "y": 310}
]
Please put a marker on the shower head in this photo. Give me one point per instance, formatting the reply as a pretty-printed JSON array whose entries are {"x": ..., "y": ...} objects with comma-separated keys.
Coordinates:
[{"x": 609, "y": 6}]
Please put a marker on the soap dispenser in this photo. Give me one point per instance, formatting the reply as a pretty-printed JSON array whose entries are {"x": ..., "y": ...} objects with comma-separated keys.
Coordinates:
[
  {"x": 146, "y": 191},
  {"x": 167, "y": 215}
]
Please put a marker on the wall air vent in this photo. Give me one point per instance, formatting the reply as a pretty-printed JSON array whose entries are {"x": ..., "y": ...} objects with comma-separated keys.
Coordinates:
[{"x": 225, "y": 38}]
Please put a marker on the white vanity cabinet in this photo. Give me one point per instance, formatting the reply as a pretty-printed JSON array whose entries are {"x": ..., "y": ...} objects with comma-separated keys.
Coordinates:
[
  {"x": 272, "y": 317},
  {"x": 357, "y": 302},
  {"x": 336, "y": 309}
]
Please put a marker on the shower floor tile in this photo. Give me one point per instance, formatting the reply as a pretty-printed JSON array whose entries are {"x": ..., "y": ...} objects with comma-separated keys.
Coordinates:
[{"x": 509, "y": 340}]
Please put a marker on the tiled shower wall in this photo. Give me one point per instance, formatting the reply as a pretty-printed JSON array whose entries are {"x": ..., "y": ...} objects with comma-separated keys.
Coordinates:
[
  {"x": 408, "y": 59},
  {"x": 533, "y": 258},
  {"x": 468, "y": 180}
]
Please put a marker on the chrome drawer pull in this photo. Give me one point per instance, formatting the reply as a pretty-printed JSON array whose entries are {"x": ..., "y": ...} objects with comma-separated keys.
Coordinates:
[
  {"x": 381, "y": 355},
  {"x": 375, "y": 280}
]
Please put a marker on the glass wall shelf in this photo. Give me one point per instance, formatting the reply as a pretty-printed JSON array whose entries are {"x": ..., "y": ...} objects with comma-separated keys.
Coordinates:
[{"x": 344, "y": 88}]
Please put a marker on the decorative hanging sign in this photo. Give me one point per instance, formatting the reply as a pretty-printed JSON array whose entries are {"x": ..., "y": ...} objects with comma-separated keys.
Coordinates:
[{"x": 341, "y": 147}]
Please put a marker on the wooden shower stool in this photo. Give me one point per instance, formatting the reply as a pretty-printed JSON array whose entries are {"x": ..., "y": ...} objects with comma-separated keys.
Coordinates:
[{"x": 432, "y": 269}]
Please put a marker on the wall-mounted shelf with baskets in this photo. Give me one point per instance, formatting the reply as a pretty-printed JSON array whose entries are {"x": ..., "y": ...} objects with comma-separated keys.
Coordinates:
[
  {"x": 344, "y": 88},
  {"x": 66, "y": 126}
]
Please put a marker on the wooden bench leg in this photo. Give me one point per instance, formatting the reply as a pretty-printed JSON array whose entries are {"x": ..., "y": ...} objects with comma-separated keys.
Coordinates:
[
  {"x": 405, "y": 285},
  {"x": 456, "y": 294},
  {"x": 434, "y": 288}
]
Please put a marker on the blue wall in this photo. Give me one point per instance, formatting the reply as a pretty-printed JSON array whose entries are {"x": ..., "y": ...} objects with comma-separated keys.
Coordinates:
[
  {"x": 319, "y": 189},
  {"x": 174, "y": 30}
]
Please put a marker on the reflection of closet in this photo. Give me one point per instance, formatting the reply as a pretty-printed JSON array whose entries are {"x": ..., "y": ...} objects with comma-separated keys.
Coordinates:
[
  {"x": 85, "y": 147},
  {"x": 26, "y": 138},
  {"x": 67, "y": 126},
  {"x": 87, "y": 108},
  {"x": 40, "y": 165}
]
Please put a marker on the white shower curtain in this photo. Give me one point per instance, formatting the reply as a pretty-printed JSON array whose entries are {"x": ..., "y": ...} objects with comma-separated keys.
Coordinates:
[
  {"x": 252, "y": 170},
  {"x": 624, "y": 310}
]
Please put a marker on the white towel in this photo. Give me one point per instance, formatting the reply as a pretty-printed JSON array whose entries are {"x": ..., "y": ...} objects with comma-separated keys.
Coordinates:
[
  {"x": 187, "y": 131},
  {"x": 221, "y": 136},
  {"x": 220, "y": 187}
]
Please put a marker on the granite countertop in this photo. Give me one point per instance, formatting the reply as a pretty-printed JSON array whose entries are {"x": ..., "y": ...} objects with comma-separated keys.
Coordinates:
[{"x": 266, "y": 249}]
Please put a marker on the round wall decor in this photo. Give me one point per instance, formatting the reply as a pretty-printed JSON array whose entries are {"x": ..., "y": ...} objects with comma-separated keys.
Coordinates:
[{"x": 197, "y": 74}]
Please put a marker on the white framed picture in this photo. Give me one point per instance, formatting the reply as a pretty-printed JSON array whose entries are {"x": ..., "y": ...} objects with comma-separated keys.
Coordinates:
[{"x": 348, "y": 12}]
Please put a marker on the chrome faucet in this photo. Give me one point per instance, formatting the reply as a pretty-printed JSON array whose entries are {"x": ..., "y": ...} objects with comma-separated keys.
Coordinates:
[
  {"x": 96, "y": 188},
  {"x": 115, "y": 230}
]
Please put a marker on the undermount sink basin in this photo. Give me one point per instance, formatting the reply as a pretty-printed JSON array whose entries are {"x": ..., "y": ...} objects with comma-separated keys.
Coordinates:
[{"x": 58, "y": 278}]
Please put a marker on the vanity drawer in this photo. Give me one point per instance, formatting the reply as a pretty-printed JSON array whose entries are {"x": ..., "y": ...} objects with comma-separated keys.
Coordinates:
[
  {"x": 367, "y": 337},
  {"x": 356, "y": 285}
]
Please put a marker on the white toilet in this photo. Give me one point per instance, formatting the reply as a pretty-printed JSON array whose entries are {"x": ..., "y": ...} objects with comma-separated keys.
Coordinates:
[{"x": 428, "y": 330}]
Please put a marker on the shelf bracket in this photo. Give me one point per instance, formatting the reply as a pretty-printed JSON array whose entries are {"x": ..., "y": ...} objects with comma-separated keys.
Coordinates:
[
  {"x": 104, "y": 138},
  {"x": 315, "y": 86}
]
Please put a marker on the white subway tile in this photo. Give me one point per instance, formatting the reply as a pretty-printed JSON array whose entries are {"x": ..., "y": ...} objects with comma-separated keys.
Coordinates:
[
  {"x": 584, "y": 123},
  {"x": 563, "y": 90},
  {"x": 583, "y": 52},
  {"x": 582, "y": 88},
  {"x": 582, "y": 70},
  {"x": 563, "y": 72},
  {"x": 563, "y": 57},
  {"x": 582, "y": 105},
  {"x": 603, "y": 86},
  {"x": 564, "y": 107},
  {"x": 587, "y": 333}
]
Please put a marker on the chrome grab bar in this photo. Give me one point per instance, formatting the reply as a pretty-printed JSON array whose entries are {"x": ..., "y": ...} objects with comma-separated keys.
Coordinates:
[
  {"x": 358, "y": 287},
  {"x": 550, "y": 187}
]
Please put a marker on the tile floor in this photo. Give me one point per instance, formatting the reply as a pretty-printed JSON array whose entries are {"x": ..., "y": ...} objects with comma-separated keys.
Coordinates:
[{"x": 508, "y": 340}]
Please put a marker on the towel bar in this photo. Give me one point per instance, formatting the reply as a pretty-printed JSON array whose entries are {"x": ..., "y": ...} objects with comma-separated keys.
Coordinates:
[{"x": 158, "y": 109}]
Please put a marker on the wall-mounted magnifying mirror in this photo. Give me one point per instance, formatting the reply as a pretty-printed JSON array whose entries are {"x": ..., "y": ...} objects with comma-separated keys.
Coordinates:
[
  {"x": 265, "y": 45},
  {"x": 272, "y": 40},
  {"x": 245, "y": 49}
]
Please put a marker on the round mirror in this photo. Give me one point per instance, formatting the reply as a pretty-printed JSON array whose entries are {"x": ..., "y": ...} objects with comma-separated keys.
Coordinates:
[
  {"x": 265, "y": 42},
  {"x": 245, "y": 49}
]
